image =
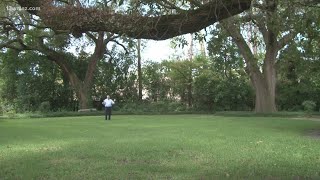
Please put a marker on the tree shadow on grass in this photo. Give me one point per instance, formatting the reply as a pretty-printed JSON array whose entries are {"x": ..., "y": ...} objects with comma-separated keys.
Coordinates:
[
  {"x": 282, "y": 125},
  {"x": 313, "y": 133}
]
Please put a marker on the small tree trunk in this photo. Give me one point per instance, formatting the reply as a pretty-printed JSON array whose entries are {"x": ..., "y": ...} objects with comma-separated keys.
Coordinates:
[
  {"x": 190, "y": 92},
  {"x": 190, "y": 80},
  {"x": 139, "y": 69}
]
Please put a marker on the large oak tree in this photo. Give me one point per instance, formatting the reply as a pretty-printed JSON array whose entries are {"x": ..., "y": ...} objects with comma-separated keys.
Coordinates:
[
  {"x": 260, "y": 34},
  {"x": 23, "y": 32}
]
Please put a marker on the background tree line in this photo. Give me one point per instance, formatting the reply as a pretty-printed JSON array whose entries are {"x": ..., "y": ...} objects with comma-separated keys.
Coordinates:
[
  {"x": 265, "y": 60},
  {"x": 219, "y": 83}
]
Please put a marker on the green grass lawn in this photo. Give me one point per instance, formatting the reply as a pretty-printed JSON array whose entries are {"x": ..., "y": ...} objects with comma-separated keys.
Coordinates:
[{"x": 159, "y": 147}]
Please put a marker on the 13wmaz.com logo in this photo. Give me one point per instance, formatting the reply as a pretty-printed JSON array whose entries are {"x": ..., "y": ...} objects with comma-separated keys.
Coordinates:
[{"x": 11, "y": 8}]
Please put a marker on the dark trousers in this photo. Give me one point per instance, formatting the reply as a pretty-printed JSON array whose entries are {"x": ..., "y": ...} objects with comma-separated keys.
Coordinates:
[{"x": 108, "y": 112}]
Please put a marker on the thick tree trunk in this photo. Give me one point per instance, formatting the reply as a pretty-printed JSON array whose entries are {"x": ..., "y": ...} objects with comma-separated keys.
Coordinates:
[
  {"x": 265, "y": 100},
  {"x": 265, "y": 94},
  {"x": 83, "y": 95},
  {"x": 265, "y": 83},
  {"x": 79, "y": 88}
]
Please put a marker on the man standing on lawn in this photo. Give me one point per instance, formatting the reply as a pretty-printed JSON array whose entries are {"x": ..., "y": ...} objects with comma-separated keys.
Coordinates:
[{"x": 108, "y": 106}]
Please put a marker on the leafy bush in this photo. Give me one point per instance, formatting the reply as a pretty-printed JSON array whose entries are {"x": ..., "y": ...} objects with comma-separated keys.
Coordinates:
[
  {"x": 8, "y": 110},
  {"x": 152, "y": 107},
  {"x": 159, "y": 106},
  {"x": 1, "y": 110},
  {"x": 44, "y": 107},
  {"x": 309, "y": 106},
  {"x": 176, "y": 107}
]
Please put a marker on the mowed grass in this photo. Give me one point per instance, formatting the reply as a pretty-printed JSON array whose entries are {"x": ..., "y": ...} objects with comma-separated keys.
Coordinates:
[{"x": 159, "y": 147}]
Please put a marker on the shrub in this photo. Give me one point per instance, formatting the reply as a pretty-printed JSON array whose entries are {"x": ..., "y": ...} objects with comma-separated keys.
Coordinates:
[
  {"x": 176, "y": 107},
  {"x": 159, "y": 106},
  {"x": 1, "y": 110},
  {"x": 11, "y": 114},
  {"x": 44, "y": 107},
  {"x": 9, "y": 111},
  {"x": 309, "y": 106},
  {"x": 152, "y": 107}
]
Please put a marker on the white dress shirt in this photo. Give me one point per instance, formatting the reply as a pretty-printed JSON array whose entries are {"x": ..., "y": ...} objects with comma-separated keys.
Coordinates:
[{"x": 108, "y": 102}]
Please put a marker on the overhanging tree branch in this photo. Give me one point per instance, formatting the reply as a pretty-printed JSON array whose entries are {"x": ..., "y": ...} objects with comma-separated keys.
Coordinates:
[
  {"x": 78, "y": 20},
  {"x": 117, "y": 42}
]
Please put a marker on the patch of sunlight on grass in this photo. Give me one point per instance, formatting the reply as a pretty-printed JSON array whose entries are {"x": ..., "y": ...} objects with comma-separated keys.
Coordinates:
[{"x": 16, "y": 150}]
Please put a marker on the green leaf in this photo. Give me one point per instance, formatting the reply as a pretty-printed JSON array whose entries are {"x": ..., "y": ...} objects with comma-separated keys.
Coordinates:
[{"x": 121, "y": 2}]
